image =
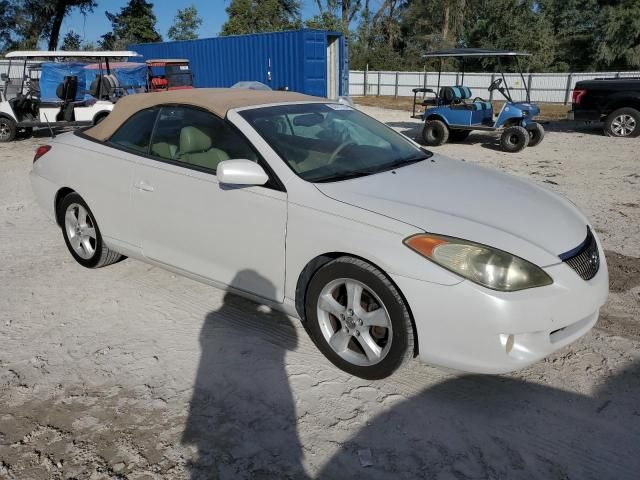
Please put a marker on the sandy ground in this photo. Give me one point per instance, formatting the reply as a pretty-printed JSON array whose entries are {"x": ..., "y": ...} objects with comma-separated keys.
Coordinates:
[{"x": 131, "y": 372}]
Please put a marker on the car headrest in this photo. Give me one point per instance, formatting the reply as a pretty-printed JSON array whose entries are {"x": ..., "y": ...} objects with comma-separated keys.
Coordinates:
[{"x": 194, "y": 140}]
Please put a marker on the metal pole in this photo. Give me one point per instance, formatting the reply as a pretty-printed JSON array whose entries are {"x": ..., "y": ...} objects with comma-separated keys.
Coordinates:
[
  {"x": 493, "y": 77},
  {"x": 529, "y": 82},
  {"x": 424, "y": 82},
  {"x": 395, "y": 95},
  {"x": 366, "y": 75},
  {"x": 568, "y": 89},
  {"x": 378, "y": 93}
]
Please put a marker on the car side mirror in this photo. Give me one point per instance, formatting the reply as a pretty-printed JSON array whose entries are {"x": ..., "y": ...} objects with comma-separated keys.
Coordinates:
[{"x": 241, "y": 172}]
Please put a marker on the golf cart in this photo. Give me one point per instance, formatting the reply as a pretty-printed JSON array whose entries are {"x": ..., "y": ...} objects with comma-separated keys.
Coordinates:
[
  {"x": 38, "y": 91},
  {"x": 452, "y": 112},
  {"x": 172, "y": 74}
]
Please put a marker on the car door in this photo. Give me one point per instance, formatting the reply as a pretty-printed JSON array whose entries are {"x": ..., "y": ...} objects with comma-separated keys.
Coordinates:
[{"x": 234, "y": 235}]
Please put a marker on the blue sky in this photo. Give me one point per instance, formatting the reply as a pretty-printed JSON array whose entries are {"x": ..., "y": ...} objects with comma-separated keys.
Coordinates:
[{"x": 212, "y": 12}]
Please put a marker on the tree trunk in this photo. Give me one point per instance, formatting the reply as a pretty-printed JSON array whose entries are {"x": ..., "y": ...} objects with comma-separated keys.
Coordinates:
[
  {"x": 61, "y": 9},
  {"x": 445, "y": 23}
]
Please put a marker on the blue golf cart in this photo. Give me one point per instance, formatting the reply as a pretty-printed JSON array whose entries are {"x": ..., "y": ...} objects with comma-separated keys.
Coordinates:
[{"x": 453, "y": 112}]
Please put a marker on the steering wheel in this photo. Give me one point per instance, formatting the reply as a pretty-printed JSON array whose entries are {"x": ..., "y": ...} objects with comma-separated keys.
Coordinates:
[
  {"x": 495, "y": 84},
  {"x": 341, "y": 147}
]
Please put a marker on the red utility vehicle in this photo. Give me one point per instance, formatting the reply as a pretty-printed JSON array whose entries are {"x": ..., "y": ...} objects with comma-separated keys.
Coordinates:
[{"x": 168, "y": 74}]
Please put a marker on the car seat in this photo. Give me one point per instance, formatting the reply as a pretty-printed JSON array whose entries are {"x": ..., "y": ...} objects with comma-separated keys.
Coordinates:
[
  {"x": 456, "y": 96},
  {"x": 164, "y": 150},
  {"x": 196, "y": 149}
]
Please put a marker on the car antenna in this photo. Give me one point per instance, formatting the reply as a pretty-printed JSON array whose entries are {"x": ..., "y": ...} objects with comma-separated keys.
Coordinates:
[{"x": 53, "y": 135}]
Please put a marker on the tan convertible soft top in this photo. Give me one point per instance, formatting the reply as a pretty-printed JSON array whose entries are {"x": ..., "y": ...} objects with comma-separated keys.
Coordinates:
[{"x": 217, "y": 100}]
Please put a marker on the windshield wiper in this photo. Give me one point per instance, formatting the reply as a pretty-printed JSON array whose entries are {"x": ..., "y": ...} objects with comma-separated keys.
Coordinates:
[{"x": 370, "y": 171}]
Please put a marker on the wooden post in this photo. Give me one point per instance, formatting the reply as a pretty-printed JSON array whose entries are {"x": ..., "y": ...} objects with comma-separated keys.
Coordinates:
[
  {"x": 395, "y": 94},
  {"x": 366, "y": 76}
]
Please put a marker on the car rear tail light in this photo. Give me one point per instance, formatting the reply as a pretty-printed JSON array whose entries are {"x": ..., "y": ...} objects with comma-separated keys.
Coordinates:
[
  {"x": 42, "y": 149},
  {"x": 577, "y": 96}
]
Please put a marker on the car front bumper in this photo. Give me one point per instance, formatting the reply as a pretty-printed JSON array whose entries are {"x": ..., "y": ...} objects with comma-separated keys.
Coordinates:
[{"x": 471, "y": 328}]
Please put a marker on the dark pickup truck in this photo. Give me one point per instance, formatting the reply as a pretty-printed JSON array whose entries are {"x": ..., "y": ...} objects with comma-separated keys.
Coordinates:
[{"x": 614, "y": 101}]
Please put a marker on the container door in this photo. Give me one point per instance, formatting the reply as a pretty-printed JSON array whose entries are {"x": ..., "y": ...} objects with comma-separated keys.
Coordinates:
[{"x": 333, "y": 67}]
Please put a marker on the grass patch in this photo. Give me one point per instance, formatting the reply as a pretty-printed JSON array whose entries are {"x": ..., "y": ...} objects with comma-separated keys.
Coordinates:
[{"x": 548, "y": 111}]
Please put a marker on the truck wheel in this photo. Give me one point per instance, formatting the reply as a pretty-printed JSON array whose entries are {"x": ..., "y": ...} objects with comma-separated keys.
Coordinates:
[
  {"x": 536, "y": 133},
  {"x": 435, "y": 133},
  {"x": 458, "y": 135},
  {"x": 514, "y": 139},
  {"x": 624, "y": 122},
  {"x": 7, "y": 129}
]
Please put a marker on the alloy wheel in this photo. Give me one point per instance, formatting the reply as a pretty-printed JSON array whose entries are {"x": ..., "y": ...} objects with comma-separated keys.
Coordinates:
[
  {"x": 5, "y": 130},
  {"x": 81, "y": 231},
  {"x": 623, "y": 125},
  {"x": 354, "y": 322}
]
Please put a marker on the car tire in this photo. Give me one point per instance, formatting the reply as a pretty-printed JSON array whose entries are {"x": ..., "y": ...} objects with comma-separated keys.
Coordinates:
[
  {"x": 514, "y": 139},
  {"x": 8, "y": 129},
  {"x": 370, "y": 338},
  {"x": 536, "y": 133},
  {"x": 458, "y": 135},
  {"x": 82, "y": 234},
  {"x": 624, "y": 122},
  {"x": 435, "y": 133}
]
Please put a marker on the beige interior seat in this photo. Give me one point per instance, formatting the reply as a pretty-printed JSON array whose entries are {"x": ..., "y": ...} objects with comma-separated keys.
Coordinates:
[
  {"x": 164, "y": 150},
  {"x": 196, "y": 149}
]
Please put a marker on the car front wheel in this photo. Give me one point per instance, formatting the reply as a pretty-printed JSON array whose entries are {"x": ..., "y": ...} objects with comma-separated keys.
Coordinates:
[
  {"x": 8, "y": 129},
  {"x": 435, "y": 133},
  {"x": 514, "y": 139},
  {"x": 82, "y": 235},
  {"x": 536, "y": 133},
  {"x": 358, "y": 319}
]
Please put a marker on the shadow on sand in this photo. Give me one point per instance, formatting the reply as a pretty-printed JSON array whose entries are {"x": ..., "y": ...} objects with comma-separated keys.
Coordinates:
[{"x": 243, "y": 421}]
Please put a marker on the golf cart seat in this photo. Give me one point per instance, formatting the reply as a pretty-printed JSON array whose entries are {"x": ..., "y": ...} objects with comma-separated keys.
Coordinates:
[{"x": 456, "y": 96}]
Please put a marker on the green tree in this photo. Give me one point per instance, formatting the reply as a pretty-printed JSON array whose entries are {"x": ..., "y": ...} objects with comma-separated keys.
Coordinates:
[
  {"x": 135, "y": 23},
  {"x": 57, "y": 10},
  {"x": 185, "y": 24},
  {"x": 71, "y": 41},
  {"x": 511, "y": 25},
  {"x": 618, "y": 45},
  {"x": 251, "y": 16},
  {"x": 7, "y": 24}
]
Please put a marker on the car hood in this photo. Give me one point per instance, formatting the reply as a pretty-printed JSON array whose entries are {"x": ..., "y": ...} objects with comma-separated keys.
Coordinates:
[{"x": 454, "y": 198}]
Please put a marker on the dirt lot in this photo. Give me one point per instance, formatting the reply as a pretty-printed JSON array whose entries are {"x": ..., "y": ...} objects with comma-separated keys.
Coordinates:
[{"x": 131, "y": 372}]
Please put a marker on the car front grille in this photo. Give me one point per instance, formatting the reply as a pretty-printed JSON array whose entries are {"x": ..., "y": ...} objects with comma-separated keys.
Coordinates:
[{"x": 584, "y": 259}]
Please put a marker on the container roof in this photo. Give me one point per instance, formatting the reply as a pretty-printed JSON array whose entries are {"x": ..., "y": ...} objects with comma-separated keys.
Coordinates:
[
  {"x": 65, "y": 53},
  {"x": 217, "y": 100},
  {"x": 474, "y": 52}
]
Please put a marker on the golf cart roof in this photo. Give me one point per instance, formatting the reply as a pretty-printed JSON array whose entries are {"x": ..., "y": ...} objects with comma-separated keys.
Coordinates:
[
  {"x": 159, "y": 62},
  {"x": 474, "y": 52},
  {"x": 65, "y": 53}
]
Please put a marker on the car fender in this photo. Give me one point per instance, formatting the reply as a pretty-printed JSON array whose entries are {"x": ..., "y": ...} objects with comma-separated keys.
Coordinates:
[{"x": 6, "y": 111}]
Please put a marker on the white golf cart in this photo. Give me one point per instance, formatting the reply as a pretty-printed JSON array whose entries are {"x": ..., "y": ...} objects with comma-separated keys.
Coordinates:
[{"x": 69, "y": 105}]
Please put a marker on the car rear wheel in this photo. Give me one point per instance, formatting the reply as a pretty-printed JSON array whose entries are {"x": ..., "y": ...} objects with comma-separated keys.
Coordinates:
[
  {"x": 7, "y": 129},
  {"x": 435, "y": 133},
  {"x": 82, "y": 235},
  {"x": 458, "y": 135},
  {"x": 358, "y": 319},
  {"x": 536, "y": 133},
  {"x": 624, "y": 122},
  {"x": 514, "y": 139}
]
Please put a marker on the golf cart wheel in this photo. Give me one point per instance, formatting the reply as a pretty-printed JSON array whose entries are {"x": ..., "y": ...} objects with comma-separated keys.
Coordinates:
[
  {"x": 458, "y": 135},
  {"x": 358, "y": 319},
  {"x": 435, "y": 133},
  {"x": 7, "y": 129},
  {"x": 514, "y": 139},
  {"x": 624, "y": 122},
  {"x": 536, "y": 133}
]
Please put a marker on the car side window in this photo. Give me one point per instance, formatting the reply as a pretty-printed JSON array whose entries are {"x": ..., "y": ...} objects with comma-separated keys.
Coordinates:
[
  {"x": 135, "y": 133},
  {"x": 197, "y": 138}
]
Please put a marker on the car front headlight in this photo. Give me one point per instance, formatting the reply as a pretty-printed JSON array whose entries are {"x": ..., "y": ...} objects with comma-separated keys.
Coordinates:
[{"x": 479, "y": 263}]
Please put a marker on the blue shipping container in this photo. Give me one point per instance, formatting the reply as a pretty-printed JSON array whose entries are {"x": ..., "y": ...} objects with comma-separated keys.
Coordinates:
[{"x": 314, "y": 62}]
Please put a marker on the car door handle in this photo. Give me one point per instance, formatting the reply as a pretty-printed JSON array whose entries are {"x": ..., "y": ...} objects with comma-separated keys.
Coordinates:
[{"x": 144, "y": 186}]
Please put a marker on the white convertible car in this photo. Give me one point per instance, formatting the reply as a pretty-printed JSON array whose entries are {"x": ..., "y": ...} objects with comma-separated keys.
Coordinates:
[{"x": 384, "y": 250}]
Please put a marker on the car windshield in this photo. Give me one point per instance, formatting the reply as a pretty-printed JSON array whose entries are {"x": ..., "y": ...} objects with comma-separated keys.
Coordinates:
[{"x": 332, "y": 142}]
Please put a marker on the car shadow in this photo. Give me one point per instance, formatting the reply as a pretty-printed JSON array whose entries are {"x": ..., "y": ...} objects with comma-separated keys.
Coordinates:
[
  {"x": 242, "y": 416},
  {"x": 476, "y": 426}
]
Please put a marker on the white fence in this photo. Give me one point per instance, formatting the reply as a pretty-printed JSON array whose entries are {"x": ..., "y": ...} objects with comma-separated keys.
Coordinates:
[{"x": 544, "y": 87}]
